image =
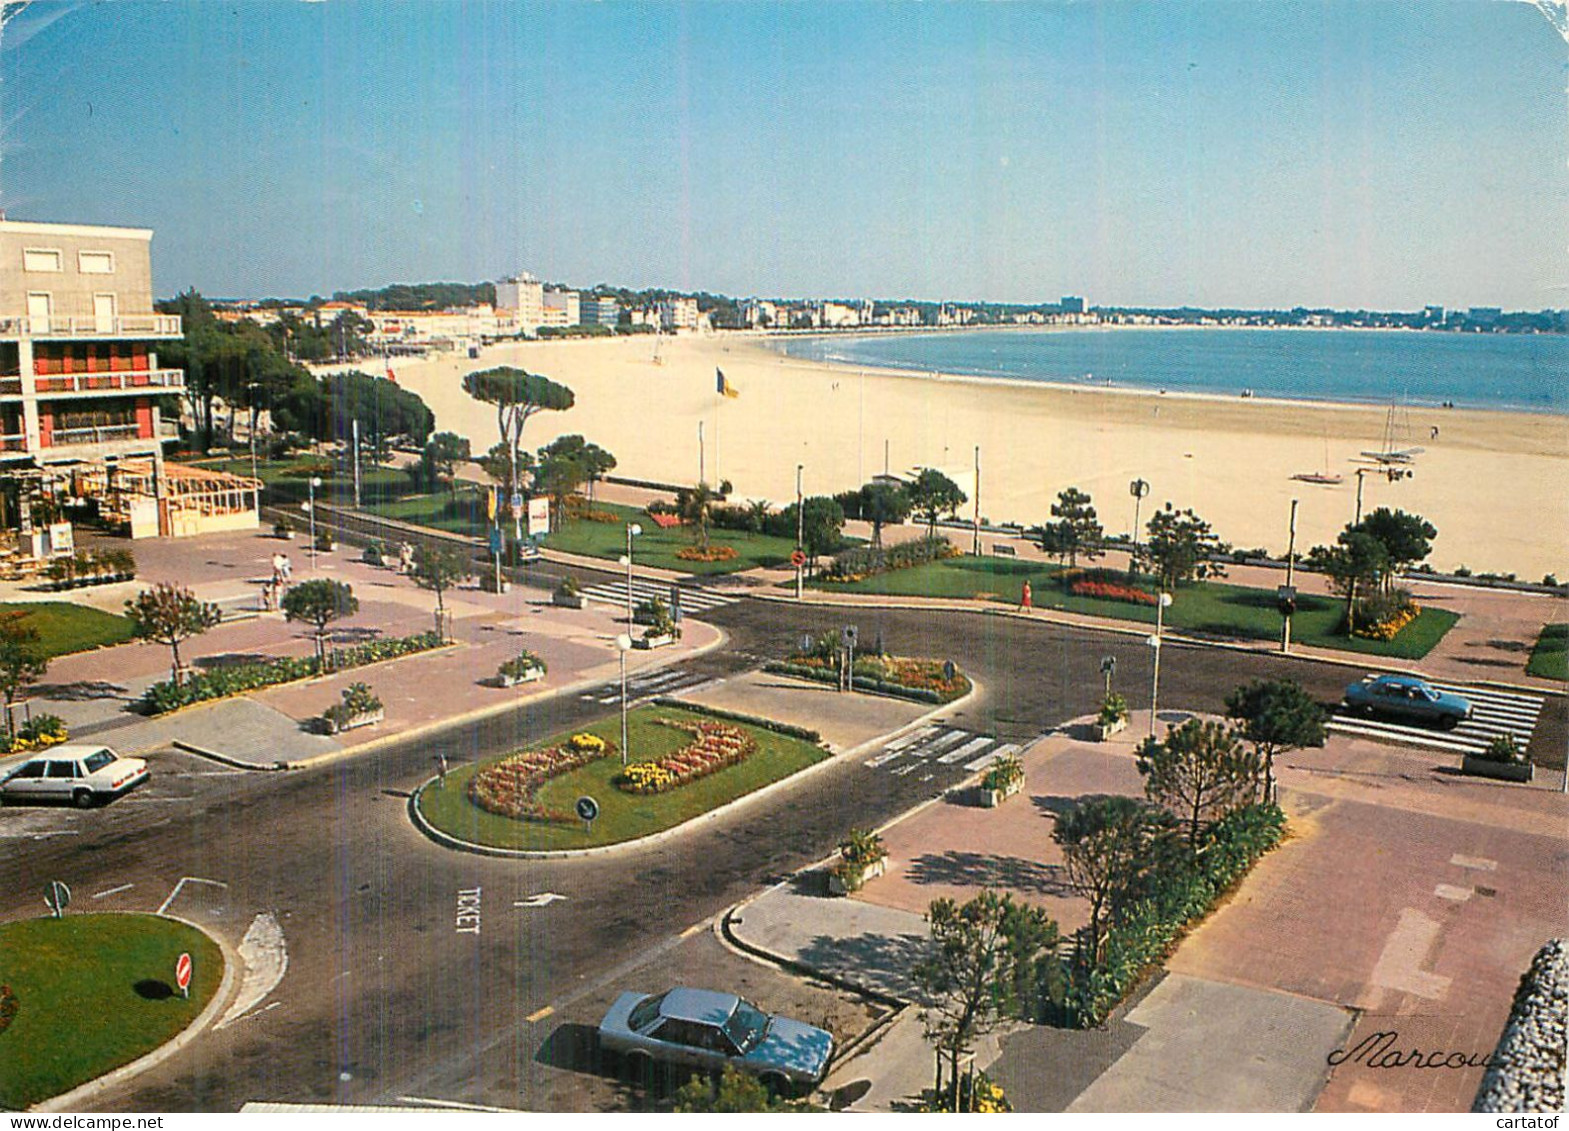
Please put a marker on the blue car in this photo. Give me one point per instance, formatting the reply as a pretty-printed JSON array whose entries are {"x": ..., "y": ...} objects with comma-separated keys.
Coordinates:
[
  {"x": 707, "y": 1030},
  {"x": 1409, "y": 698}
]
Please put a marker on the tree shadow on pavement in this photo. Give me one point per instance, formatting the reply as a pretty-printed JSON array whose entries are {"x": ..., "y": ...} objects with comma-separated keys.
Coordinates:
[
  {"x": 1053, "y": 805},
  {"x": 80, "y": 691},
  {"x": 976, "y": 869},
  {"x": 873, "y": 961},
  {"x": 229, "y": 659}
]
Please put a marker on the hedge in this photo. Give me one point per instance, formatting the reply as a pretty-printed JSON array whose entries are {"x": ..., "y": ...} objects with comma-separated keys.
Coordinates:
[
  {"x": 865, "y": 561},
  {"x": 788, "y": 729},
  {"x": 232, "y": 679},
  {"x": 1144, "y": 935}
]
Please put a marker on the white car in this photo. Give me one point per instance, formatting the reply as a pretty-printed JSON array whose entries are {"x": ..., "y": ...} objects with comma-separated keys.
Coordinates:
[{"x": 82, "y": 775}]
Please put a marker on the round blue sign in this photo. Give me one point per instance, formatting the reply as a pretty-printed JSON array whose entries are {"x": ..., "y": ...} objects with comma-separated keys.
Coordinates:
[{"x": 587, "y": 808}]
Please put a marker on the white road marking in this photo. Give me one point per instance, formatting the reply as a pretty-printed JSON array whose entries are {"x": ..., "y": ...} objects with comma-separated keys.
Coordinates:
[
  {"x": 541, "y": 900},
  {"x": 113, "y": 891},
  {"x": 1405, "y": 952},
  {"x": 266, "y": 960},
  {"x": 967, "y": 749},
  {"x": 1449, "y": 891},
  {"x": 1480, "y": 863},
  {"x": 1007, "y": 749},
  {"x": 164, "y": 906}
]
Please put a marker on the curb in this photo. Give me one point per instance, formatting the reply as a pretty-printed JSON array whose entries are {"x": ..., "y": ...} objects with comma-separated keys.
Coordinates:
[
  {"x": 224, "y": 759},
  {"x": 882, "y": 997},
  {"x": 1359, "y": 660},
  {"x": 77, "y": 1096},
  {"x": 447, "y": 840},
  {"x": 478, "y": 713}
]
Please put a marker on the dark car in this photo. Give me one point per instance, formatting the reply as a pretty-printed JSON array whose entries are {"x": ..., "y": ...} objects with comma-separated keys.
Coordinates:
[
  {"x": 1407, "y": 697},
  {"x": 708, "y": 1030}
]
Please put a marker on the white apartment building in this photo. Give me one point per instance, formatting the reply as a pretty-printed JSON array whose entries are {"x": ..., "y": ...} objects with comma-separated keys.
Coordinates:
[
  {"x": 561, "y": 308},
  {"x": 678, "y": 314},
  {"x": 521, "y": 300}
]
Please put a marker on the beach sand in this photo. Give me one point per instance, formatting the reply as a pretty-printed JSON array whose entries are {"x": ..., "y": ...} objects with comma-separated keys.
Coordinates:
[{"x": 1493, "y": 483}]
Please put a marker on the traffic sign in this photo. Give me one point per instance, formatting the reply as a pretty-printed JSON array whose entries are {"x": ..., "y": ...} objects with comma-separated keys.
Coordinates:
[
  {"x": 849, "y": 635},
  {"x": 495, "y": 540},
  {"x": 57, "y": 897},
  {"x": 587, "y": 808},
  {"x": 517, "y": 504},
  {"x": 182, "y": 974},
  {"x": 797, "y": 559}
]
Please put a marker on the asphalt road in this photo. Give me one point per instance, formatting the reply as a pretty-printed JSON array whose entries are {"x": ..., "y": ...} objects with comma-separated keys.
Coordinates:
[{"x": 386, "y": 997}]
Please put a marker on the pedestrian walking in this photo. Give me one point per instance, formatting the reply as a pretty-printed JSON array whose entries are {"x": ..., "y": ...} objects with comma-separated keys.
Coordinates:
[
  {"x": 277, "y": 569},
  {"x": 441, "y": 770},
  {"x": 405, "y": 558},
  {"x": 287, "y": 570},
  {"x": 1026, "y": 601}
]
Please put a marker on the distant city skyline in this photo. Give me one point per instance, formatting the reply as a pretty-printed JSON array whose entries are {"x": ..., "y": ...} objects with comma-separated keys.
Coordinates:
[{"x": 1340, "y": 155}]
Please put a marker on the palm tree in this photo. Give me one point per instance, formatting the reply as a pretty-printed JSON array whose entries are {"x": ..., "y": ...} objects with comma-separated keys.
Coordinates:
[{"x": 694, "y": 505}]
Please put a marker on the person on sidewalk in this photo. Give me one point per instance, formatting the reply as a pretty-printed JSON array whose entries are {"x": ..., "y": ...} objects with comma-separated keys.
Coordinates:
[
  {"x": 441, "y": 770},
  {"x": 405, "y": 558},
  {"x": 277, "y": 569},
  {"x": 1026, "y": 601},
  {"x": 288, "y": 569}
]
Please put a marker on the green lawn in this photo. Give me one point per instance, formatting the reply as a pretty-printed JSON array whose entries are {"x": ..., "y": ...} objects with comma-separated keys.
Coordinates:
[
  {"x": 96, "y": 992},
  {"x": 286, "y": 481},
  {"x": 64, "y": 627},
  {"x": 1211, "y": 607},
  {"x": 1550, "y": 657},
  {"x": 623, "y": 816},
  {"x": 464, "y": 513}
]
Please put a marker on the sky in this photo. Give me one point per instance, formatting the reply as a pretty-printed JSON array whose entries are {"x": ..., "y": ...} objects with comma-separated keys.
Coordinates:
[{"x": 1252, "y": 154}]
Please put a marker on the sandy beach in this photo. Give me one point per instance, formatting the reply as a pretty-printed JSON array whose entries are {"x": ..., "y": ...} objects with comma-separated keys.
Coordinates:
[{"x": 1493, "y": 483}]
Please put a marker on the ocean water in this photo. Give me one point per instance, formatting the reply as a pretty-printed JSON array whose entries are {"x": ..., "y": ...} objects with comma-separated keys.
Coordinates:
[{"x": 1514, "y": 372}]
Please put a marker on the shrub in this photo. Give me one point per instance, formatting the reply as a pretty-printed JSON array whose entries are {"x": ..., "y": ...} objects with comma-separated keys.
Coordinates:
[
  {"x": 1502, "y": 749},
  {"x": 280, "y": 529},
  {"x": 978, "y": 1094},
  {"x": 1005, "y": 773},
  {"x": 43, "y": 730},
  {"x": 233, "y": 679},
  {"x": 741, "y": 717},
  {"x": 10, "y": 1006},
  {"x": 324, "y": 540},
  {"x": 715, "y": 552},
  {"x": 865, "y": 561},
  {"x": 568, "y": 587},
  {"x": 1113, "y": 710},
  {"x": 1177, "y": 898},
  {"x": 1383, "y": 615},
  {"x": 520, "y": 665},
  {"x": 375, "y": 553},
  {"x": 358, "y": 699}
]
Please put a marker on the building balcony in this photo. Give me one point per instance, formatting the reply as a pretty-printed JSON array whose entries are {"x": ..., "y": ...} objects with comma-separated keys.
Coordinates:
[
  {"x": 13, "y": 445},
  {"x": 98, "y": 434},
  {"x": 91, "y": 326},
  {"x": 143, "y": 381}
]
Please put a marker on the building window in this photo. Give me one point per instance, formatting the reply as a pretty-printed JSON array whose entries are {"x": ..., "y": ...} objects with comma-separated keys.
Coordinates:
[
  {"x": 95, "y": 262},
  {"x": 42, "y": 259}
]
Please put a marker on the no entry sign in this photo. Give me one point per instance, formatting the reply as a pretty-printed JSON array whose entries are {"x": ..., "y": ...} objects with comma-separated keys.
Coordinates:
[{"x": 182, "y": 974}]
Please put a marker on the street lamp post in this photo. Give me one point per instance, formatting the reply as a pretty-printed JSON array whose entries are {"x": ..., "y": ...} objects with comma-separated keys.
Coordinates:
[
  {"x": 800, "y": 527},
  {"x": 623, "y": 646},
  {"x": 1160, "y": 624},
  {"x": 313, "y": 483},
  {"x": 250, "y": 390},
  {"x": 633, "y": 530}
]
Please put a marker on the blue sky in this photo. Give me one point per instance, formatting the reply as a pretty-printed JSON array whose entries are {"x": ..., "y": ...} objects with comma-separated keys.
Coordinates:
[{"x": 1216, "y": 153}]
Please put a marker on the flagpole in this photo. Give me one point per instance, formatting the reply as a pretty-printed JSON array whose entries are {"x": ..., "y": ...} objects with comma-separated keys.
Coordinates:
[{"x": 700, "y": 464}]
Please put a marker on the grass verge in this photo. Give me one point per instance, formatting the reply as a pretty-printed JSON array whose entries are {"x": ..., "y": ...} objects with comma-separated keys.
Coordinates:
[
  {"x": 622, "y": 816},
  {"x": 94, "y": 992},
  {"x": 64, "y": 628},
  {"x": 1550, "y": 657},
  {"x": 1210, "y": 607}
]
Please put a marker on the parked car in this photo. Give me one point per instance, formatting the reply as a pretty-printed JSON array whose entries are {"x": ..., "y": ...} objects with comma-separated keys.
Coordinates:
[
  {"x": 81, "y": 775},
  {"x": 708, "y": 1030},
  {"x": 1407, "y": 697}
]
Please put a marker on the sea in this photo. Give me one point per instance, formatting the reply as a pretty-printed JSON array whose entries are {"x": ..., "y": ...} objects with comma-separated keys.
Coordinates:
[{"x": 1508, "y": 372}]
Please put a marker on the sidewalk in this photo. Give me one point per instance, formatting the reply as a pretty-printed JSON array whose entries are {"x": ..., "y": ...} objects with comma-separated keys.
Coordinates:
[{"x": 93, "y": 691}]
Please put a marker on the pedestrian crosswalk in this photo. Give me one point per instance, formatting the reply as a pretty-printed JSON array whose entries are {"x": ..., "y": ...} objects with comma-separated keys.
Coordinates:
[
  {"x": 693, "y": 599},
  {"x": 645, "y": 685},
  {"x": 1493, "y": 712},
  {"x": 941, "y": 745}
]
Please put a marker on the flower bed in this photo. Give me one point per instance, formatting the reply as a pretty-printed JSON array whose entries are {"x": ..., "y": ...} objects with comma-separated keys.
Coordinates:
[
  {"x": 1390, "y": 627},
  {"x": 922, "y": 680},
  {"x": 714, "y": 553},
  {"x": 39, "y": 733},
  {"x": 1111, "y": 591},
  {"x": 715, "y": 746},
  {"x": 510, "y": 787},
  {"x": 232, "y": 679},
  {"x": 861, "y": 562}
]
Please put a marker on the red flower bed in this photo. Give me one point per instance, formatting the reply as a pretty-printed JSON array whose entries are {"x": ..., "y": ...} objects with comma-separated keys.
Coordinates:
[
  {"x": 664, "y": 521},
  {"x": 510, "y": 786},
  {"x": 715, "y": 746},
  {"x": 1111, "y": 591}
]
